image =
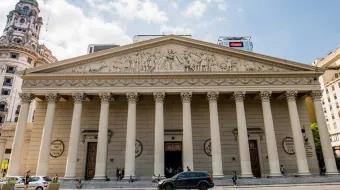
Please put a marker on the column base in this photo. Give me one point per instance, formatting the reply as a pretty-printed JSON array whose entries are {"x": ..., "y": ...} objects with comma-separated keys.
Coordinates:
[
  {"x": 99, "y": 178},
  {"x": 332, "y": 173},
  {"x": 69, "y": 178},
  {"x": 246, "y": 176},
  {"x": 219, "y": 176}
]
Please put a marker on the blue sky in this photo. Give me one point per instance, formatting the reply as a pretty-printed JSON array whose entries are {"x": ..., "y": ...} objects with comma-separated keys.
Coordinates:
[{"x": 295, "y": 30}]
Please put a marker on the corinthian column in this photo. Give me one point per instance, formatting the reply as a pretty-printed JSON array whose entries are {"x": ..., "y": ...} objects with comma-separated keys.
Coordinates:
[
  {"x": 273, "y": 155},
  {"x": 216, "y": 151},
  {"x": 44, "y": 153},
  {"x": 188, "y": 154},
  {"x": 327, "y": 149},
  {"x": 19, "y": 136},
  {"x": 100, "y": 173},
  {"x": 159, "y": 134},
  {"x": 300, "y": 150},
  {"x": 71, "y": 164},
  {"x": 243, "y": 142},
  {"x": 131, "y": 136}
]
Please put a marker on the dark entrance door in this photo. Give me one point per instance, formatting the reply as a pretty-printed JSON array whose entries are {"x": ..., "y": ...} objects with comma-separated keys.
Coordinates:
[
  {"x": 173, "y": 157},
  {"x": 254, "y": 158},
  {"x": 91, "y": 160}
]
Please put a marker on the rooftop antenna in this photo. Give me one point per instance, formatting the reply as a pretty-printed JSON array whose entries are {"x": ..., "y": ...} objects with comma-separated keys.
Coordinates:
[{"x": 49, "y": 15}]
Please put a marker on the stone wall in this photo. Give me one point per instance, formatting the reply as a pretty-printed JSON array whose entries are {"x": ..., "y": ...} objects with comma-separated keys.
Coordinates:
[{"x": 172, "y": 120}]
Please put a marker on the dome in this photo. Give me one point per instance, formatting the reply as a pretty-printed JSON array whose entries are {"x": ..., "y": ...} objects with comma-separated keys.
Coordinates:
[{"x": 34, "y": 2}]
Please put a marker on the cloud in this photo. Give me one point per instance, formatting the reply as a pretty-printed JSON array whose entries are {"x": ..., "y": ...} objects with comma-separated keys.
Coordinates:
[
  {"x": 145, "y": 10},
  {"x": 175, "y": 30},
  {"x": 240, "y": 10},
  {"x": 209, "y": 23},
  {"x": 69, "y": 30},
  {"x": 195, "y": 9},
  {"x": 221, "y": 4}
]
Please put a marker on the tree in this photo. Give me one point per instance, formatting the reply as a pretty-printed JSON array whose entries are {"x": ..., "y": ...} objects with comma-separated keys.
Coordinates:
[{"x": 318, "y": 148}]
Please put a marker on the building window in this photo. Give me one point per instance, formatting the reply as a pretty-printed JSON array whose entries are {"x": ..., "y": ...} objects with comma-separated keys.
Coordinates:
[
  {"x": 337, "y": 104},
  {"x": 329, "y": 99},
  {"x": 3, "y": 106},
  {"x": 10, "y": 70},
  {"x": 331, "y": 108},
  {"x": 335, "y": 97},
  {"x": 14, "y": 55},
  {"x": 5, "y": 92},
  {"x": 22, "y": 21},
  {"x": 326, "y": 91},
  {"x": 8, "y": 81},
  {"x": 16, "y": 119},
  {"x": 333, "y": 88},
  {"x": 8, "y": 151},
  {"x": 334, "y": 124},
  {"x": 29, "y": 60},
  {"x": 25, "y": 11},
  {"x": 333, "y": 117}
]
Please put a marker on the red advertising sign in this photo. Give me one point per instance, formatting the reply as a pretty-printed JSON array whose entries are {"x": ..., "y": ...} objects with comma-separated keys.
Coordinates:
[{"x": 235, "y": 44}]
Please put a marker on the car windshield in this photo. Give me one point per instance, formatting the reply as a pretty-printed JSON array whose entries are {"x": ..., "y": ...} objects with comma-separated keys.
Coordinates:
[{"x": 47, "y": 178}]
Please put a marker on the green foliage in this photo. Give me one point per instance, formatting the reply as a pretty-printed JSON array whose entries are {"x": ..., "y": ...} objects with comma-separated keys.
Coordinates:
[
  {"x": 54, "y": 181},
  {"x": 11, "y": 181},
  {"x": 318, "y": 148}
]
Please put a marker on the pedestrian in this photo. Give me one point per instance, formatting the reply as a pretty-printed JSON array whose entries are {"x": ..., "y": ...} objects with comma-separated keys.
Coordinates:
[
  {"x": 56, "y": 178},
  {"x": 79, "y": 185},
  {"x": 120, "y": 175},
  {"x": 283, "y": 171},
  {"x": 131, "y": 179},
  {"x": 154, "y": 179},
  {"x": 26, "y": 179},
  {"x": 170, "y": 172},
  {"x": 117, "y": 174},
  {"x": 234, "y": 178},
  {"x": 159, "y": 178},
  {"x": 107, "y": 178},
  {"x": 123, "y": 173},
  {"x": 188, "y": 169}
]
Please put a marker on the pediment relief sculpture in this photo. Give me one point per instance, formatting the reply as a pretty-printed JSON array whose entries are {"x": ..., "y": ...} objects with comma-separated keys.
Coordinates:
[{"x": 173, "y": 60}]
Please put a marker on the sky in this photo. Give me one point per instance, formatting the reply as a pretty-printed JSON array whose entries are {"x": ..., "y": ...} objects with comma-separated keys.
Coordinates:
[{"x": 300, "y": 30}]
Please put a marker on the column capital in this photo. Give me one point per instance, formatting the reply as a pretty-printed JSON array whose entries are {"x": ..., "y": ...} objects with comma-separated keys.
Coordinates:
[
  {"x": 186, "y": 96},
  {"x": 78, "y": 98},
  {"x": 265, "y": 95},
  {"x": 239, "y": 96},
  {"x": 291, "y": 95},
  {"x": 106, "y": 97},
  {"x": 132, "y": 97},
  {"x": 26, "y": 97},
  {"x": 316, "y": 95},
  {"x": 52, "y": 97},
  {"x": 159, "y": 97},
  {"x": 212, "y": 96}
]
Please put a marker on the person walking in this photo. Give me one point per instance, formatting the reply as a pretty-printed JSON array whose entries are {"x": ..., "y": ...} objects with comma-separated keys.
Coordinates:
[
  {"x": 117, "y": 174},
  {"x": 283, "y": 171},
  {"x": 56, "y": 178},
  {"x": 26, "y": 179},
  {"x": 123, "y": 173},
  {"x": 234, "y": 178}
]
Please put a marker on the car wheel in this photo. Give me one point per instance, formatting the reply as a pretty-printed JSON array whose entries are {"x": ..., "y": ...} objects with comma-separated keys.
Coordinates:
[
  {"x": 39, "y": 188},
  {"x": 168, "y": 187},
  {"x": 203, "y": 186}
]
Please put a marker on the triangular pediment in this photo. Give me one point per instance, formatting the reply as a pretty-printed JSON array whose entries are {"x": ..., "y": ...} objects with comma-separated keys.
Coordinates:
[{"x": 171, "y": 54}]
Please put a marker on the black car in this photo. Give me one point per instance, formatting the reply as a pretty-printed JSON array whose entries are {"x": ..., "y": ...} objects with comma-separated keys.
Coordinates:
[{"x": 188, "y": 180}]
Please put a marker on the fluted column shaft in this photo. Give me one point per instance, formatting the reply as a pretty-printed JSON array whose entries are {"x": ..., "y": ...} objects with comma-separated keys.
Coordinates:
[
  {"x": 71, "y": 163},
  {"x": 243, "y": 142},
  {"x": 327, "y": 149},
  {"x": 273, "y": 156},
  {"x": 101, "y": 158},
  {"x": 44, "y": 153},
  {"x": 131, "y": 136},
  {"x": 159, "y": 134},
  {"x": 188, "y": 154},
  {"x": 19, "y": 136},
  {"x": 300, "y": 150},
  {"x": 216, "y": 151}
]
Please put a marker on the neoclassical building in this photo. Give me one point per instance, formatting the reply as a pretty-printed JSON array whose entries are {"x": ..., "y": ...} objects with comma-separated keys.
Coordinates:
[{"x": 170, "y": 102}]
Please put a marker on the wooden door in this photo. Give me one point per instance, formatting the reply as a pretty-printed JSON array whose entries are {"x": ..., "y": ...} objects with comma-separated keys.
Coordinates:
[
  {"x": 254, "y": 158},
  {"x": 91, "y": 160}
]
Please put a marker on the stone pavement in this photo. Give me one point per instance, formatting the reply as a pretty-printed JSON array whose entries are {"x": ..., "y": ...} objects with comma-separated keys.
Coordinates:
[{"x": 260, "y": 182}]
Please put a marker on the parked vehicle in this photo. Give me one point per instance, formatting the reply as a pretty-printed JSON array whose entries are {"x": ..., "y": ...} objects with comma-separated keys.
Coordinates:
[
  {"x": 188, "y": 180},
  {"x": 17, "y": 179},
  {"x": 35, "y": 183}
]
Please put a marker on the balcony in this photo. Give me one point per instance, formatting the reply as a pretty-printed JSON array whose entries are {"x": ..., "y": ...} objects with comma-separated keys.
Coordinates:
[{"x": 10, "y": 71}]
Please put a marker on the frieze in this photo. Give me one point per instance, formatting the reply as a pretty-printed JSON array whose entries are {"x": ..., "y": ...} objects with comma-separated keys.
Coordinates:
[
  {"x": 174, "y": 58},
  {"x": 171, "y": 81}
]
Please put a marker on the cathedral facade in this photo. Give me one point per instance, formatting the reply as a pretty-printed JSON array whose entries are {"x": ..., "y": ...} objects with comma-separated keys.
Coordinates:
[{"x": 170, "y": 102}]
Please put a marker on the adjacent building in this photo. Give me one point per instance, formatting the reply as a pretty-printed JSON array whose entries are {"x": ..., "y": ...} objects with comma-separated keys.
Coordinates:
[
  {"x": 330, "y": 84},
  {"x": 19, "y": 50},
  {"x": 170, "y": 102},
  {"x": 92, "y": 48},
  {"x": 241, "y": 43}
]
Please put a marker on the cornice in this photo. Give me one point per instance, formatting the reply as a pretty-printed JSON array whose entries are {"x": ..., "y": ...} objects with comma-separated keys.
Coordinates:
[{"x": 192, "y": 43}]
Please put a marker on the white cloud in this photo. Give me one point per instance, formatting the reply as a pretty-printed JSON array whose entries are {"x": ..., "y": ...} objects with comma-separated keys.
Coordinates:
[
  {"x": 240, "y": 10},
  {"x": 145, "y": 10},
  {"x": 174, "y": 3},
  {"x": 209, "y": 23},
  {"x": 222, "y": 6},
  {"x": 175, "y": 30},
  {"x": 69, "y": 30},
  {"x": 196, "y": 9}
]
